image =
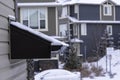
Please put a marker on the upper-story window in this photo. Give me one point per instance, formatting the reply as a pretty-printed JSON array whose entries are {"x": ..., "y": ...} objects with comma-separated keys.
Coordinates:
[
  {"x": 107, "y": 9},
  {"x": 64, "y": 12},
  {"x": 35, "y": 18}
]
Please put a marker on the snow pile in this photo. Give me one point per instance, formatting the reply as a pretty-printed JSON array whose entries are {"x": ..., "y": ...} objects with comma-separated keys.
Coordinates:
[{"x": 114, "y": 60}]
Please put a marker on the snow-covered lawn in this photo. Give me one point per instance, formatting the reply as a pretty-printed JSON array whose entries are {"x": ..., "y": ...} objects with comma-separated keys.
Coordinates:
[{"x": 115, "y": 65}]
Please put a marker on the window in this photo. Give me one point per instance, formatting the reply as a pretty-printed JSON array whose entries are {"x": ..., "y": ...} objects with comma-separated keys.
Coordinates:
[
  {"x": 109, "y": 29},
  {"x": 34, "y": 18},
  {"x": 33, "y": 15},
  {"x": 63, "y": 29},
  {"x": 76, "y": 8},
  {"x": 64, "y": 12},
  {"x": 24, "y": 14},
  {"x": 83, "y": 29},
  {"x": 107, "y": 9}
]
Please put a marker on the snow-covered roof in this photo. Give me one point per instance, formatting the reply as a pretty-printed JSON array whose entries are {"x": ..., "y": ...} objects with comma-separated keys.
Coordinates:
[
  {"x": 74, "y": 20},
  {"x": 48, "y": 38},
  {"x": 39, "y": 4},
  {"x": 89, "y": 2}
]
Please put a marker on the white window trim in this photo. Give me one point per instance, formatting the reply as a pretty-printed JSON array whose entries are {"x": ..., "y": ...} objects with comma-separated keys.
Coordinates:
[
  {"x": 110, "y": 10},
  {"x": 83, "y": 29},
  {"x": 109, "y": 27},
  {"x": 46, "y": 20}
]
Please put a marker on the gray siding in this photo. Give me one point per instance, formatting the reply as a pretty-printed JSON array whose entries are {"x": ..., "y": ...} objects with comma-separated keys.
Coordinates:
[
  {"x": 8, "y": 70},
  {"x": 94, "y": 33},
  {"x": 30, "y": 1},
  {"x": 51, "y": 21},
  {"x": 88, "y": 11},
  {"x": 117, "y": 13},
  {"x": 91, "y": 40}
]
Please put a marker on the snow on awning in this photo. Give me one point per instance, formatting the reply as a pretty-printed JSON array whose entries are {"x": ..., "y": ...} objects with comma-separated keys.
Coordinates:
[
  {"x": 76, "y": 40},
  {"x": 74, "y": 20},
  {"x": 39, "y": 4},
  {"x": 48, "y": 38}
]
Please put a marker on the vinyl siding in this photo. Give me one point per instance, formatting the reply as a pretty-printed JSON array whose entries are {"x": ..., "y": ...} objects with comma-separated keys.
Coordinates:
[
  {"x": 117, "y": 15},
  {"x": 94, "y": 32},
  {"x": 88, "y": 11},
  {"x": 9, "y": 70},
  {"x": 51, "y": 22}
]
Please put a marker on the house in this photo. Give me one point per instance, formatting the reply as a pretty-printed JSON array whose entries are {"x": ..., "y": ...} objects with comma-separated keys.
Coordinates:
[
  {"x": 10, "y": 69},
  {"x": 88, "y": 20},
  {"x": 14, "y": 67},
  {"x": 40, "y": 15}
]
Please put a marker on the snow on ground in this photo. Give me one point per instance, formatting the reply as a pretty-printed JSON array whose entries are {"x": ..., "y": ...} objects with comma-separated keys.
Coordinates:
[{"x": 115, "y": 65}]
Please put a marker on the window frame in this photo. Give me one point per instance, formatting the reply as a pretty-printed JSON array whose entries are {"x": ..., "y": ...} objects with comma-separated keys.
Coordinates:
[
  {"x": 107, "y": 10},
  {"x": 109, "y": 29},
  {"x": 84, "y": 29},
  {"x": 38, "y": 8}
]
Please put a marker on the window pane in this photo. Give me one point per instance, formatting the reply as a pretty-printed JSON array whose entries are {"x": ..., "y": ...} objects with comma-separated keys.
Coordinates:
[
  {"x": 42, "y": 14},
  {"x": 33, "y": 18},
  {"x": 25, "y": 22},
  {"x": 64, "y": 12},
  {"x": 109, "y": 29},
  {"x": 106, "y": 10},
  {"x": 25, "y": 14},
  {"x": 42, "y": 24},
  {"x": 63, "y": 29},
  {"x": 83, "y": 29}
]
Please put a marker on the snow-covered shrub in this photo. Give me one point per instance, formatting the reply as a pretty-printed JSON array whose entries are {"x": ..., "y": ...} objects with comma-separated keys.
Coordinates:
[
  {"x": 97, "y": 70},
  {"x": 85, "y": 71}
]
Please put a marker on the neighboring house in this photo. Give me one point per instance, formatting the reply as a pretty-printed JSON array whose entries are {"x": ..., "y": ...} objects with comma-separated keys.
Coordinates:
[
  {"x": 88, "y": 19},
  {"x": 9, "y": 69},
  {"x": 40, "y": 15}
]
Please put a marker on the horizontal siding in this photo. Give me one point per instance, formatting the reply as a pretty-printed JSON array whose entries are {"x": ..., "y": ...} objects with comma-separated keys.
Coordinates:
[
  {"x": 13, "y": 72},
  {"x": 4, "y": 47},
  {"x": 3, "y": 23},
  {"x": 21, "y": 77},
  {"x": 4, "y": 62},
  {"x": 3, "y": 35},
  {"x": 88, "y": 11},
  {"x": 5, "y": 11},
  {"x": 9, "y": 69},
  {"x": 8, "y": 3}
]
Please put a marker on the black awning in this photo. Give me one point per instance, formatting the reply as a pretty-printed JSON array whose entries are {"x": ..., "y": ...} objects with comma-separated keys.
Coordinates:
[
  {"x": 55, "y": 47},
  {"x": 25, "y": 45}
]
